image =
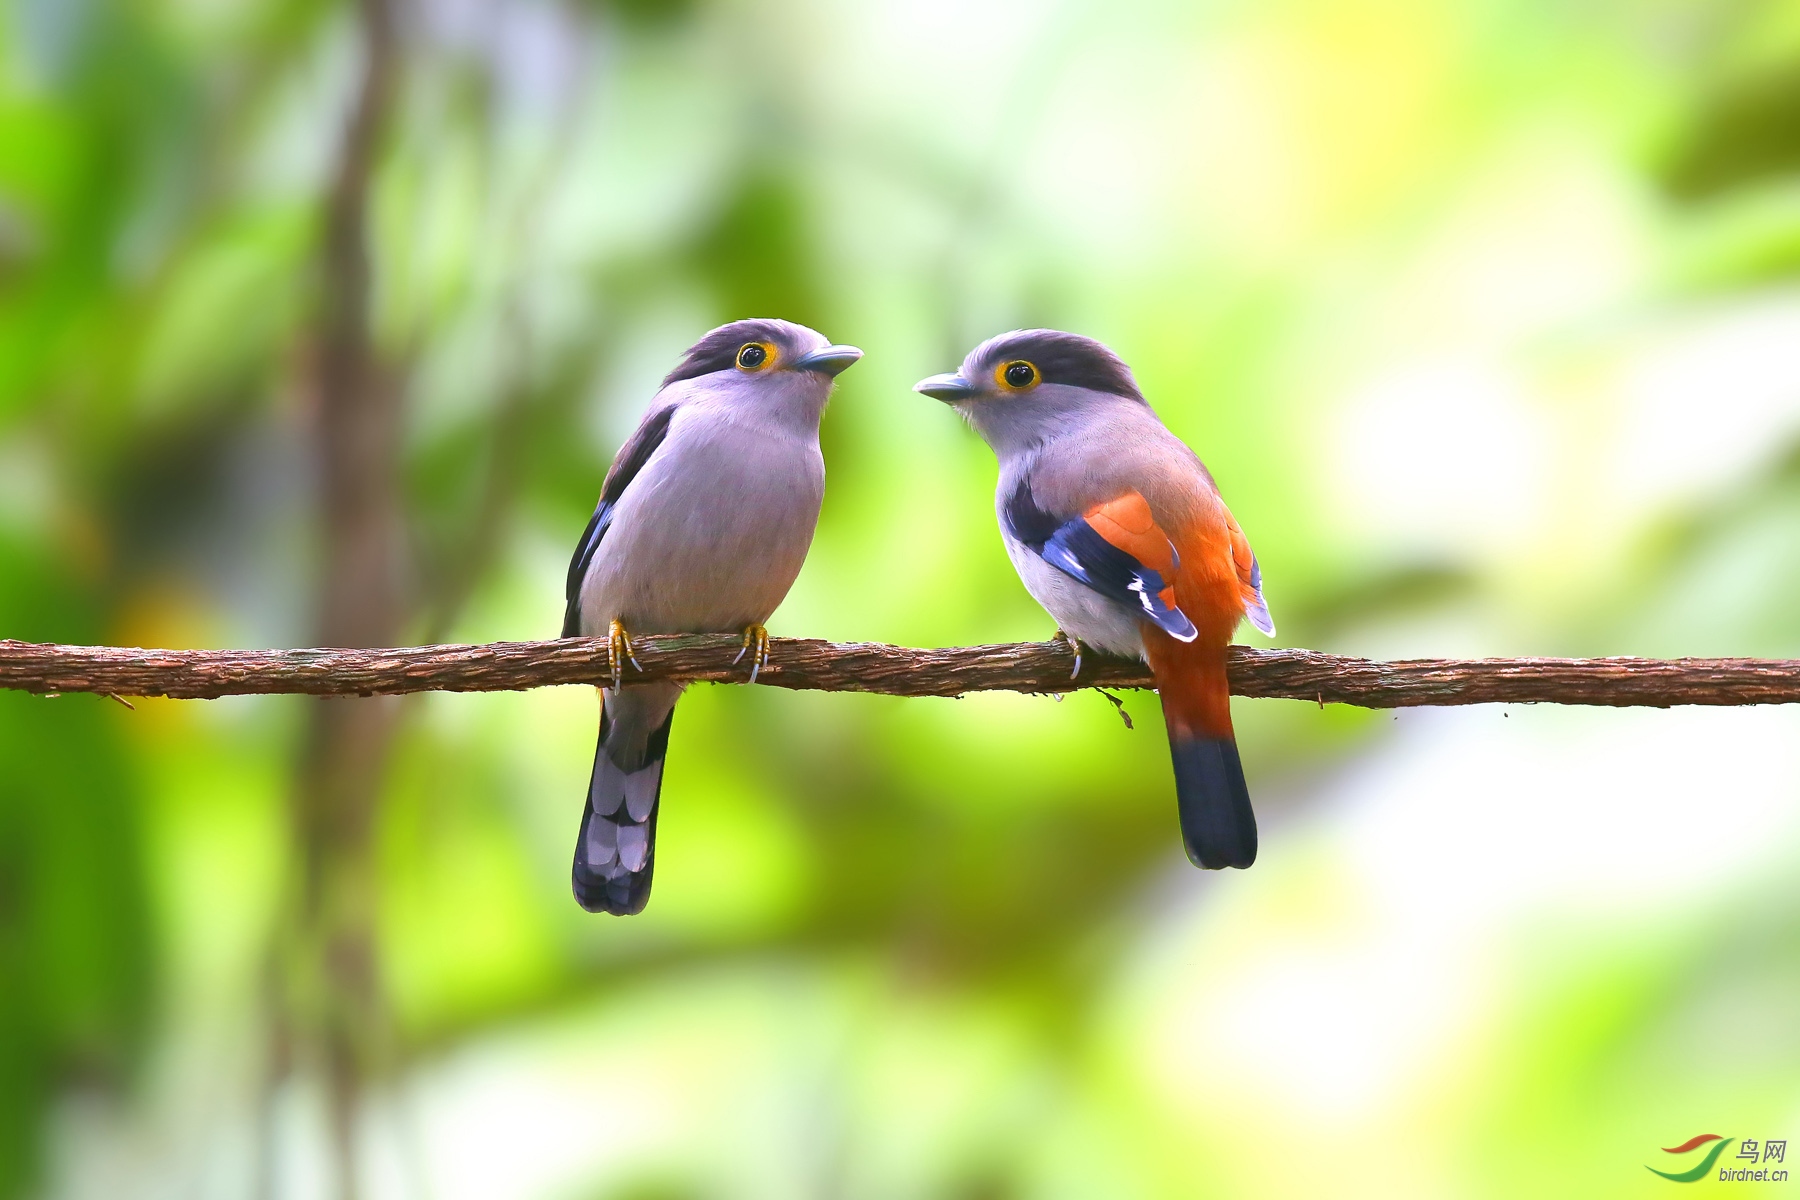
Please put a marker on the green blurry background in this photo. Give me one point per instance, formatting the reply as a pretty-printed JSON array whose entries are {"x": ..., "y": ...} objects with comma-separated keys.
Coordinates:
[{"x": 1483, "y": 313}]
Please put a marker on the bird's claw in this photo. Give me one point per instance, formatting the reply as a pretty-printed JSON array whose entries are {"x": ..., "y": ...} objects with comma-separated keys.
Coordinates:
[
  {"x": 1074, "y": 645},
  {"x": 756, "y": 644},
  {"x": 618, "y": 653}
]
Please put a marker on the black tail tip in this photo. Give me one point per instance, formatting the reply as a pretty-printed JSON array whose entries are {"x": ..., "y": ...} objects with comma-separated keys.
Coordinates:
[
  {"x": 625, "y": 896},
  {"x": 603, "y": 884},
  {"x": 1218, "y": 827}
]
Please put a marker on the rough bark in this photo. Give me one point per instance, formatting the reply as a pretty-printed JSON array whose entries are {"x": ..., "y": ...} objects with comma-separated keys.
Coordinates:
[{"x": 893, "y": 670}]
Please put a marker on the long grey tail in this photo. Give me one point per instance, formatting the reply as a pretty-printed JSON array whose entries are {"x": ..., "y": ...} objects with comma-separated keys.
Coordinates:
[{"x": 616, "y": 851}]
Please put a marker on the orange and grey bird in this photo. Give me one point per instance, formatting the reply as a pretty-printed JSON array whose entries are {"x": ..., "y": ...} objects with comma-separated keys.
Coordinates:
[
  {"x": 1116, "y": 527},
  {"x": 703, "y": 523}
]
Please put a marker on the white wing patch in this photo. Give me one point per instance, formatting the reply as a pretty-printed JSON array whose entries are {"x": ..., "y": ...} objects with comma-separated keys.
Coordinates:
[{"x": 1258, "y": 612}]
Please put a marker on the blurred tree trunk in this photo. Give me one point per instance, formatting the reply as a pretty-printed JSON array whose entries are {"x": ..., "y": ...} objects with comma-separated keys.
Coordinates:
[{"x": 334, "y": 1012}]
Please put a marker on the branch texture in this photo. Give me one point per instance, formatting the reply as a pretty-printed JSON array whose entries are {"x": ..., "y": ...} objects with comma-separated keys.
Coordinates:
[{"x": 892, "y": 670}]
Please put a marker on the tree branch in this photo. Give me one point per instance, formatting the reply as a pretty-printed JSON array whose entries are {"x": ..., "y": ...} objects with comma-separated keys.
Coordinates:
[{"x": 892, "y": 670}]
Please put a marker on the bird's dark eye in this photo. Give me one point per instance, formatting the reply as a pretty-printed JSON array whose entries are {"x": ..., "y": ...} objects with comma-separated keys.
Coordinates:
[
  {"x": 752, "y": 356},
  {"x": 1018, "y": 375}
]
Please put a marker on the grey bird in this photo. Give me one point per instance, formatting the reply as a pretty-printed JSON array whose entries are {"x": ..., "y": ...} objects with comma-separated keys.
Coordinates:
[
  {"x": 703, "y": 523},
  {"x": 1118, "y": 530}
]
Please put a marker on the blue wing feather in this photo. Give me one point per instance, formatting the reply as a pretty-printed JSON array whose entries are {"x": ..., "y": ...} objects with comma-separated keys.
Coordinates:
[
  {"x": 1076, "y": 549},
  {"x": 578, "y": 567}
]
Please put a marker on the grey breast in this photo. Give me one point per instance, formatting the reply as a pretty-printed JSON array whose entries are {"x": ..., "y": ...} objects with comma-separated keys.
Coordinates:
[{"x": 712, "y": 532}]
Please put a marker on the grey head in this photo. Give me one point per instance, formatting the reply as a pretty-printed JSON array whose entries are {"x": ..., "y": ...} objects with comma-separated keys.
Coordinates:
[
  {"x": 775, "y": 372},
  {"x": 1022, "y": 388}
]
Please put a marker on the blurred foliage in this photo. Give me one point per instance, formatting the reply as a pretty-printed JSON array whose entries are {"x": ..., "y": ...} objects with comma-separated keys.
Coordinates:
[
  {"x": 1745, "y": 135},
  {"x": 1482, "y": 313},
  {"x": 75, "y": 941}
]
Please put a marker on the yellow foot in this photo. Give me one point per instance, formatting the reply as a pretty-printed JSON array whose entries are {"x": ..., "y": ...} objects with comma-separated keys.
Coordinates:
[
  {"x": 756, "y": 644},
  {"x": 618, "y": 652},
  {"x": 1075, "y": 645}
]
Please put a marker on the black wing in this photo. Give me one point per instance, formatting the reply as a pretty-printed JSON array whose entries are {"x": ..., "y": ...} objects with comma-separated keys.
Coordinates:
[
  {"x": 631, "y": 459},
  {"x": 1076, "y": 548}
]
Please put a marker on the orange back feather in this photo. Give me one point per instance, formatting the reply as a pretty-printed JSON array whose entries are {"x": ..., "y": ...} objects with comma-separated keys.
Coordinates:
[{"x": 1208, "y": 578}]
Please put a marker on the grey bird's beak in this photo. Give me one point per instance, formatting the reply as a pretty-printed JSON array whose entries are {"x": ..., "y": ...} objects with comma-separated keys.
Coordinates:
[
  {"x": 827, "y": 360},
  {"x": 948, "y": 388}
]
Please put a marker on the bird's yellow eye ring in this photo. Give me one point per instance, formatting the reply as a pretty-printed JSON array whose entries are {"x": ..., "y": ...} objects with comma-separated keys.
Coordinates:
[
  {"x": 755, "y": 356},
  {"x": 1017, "y": 375}
]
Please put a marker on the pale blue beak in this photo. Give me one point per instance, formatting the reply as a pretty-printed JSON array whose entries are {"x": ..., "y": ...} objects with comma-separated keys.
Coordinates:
[
  {"x": 828, "y": 360},
  {"x": 948, "y": 388}
]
